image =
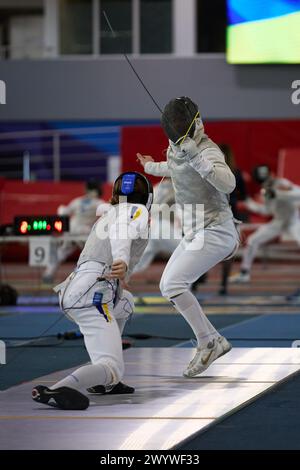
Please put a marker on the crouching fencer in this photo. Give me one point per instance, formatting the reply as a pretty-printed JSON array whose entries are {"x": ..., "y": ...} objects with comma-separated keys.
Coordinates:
[
  {"x": 281, "y": 199},
  {"x": 93, "y": 298},
  {"x": 202, "y": 182}
]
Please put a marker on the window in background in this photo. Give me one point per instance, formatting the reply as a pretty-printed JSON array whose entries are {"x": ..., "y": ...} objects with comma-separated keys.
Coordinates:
[
  {"x": 211, "y": 25},
  {"x": 155, "y": 26},
  {"x": 26, "y": 36},
  {"x": 21, "y": 32},
  {"x": 4, "y": 35},
  {"x": 119, "y": 13},
  {"x": 76, "y": 31},
  {"x": 2, "y": 49}
]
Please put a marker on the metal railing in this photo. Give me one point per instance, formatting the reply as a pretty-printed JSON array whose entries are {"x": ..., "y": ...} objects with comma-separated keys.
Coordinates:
[{"x": 67, "y": 153}]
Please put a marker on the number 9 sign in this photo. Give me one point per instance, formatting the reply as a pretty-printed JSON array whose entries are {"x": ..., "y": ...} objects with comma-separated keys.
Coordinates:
[{"x": 40, "y": 251}]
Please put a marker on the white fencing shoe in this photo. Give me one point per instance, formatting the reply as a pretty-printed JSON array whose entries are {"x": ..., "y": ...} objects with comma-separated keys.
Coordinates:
[
  {"x": 239, "y": 278},
  {"x": 205, "y": 356}
]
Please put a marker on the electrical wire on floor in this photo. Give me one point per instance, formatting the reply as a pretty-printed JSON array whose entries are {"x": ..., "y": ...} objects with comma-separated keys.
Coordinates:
[{"x": 74, "y": 335}]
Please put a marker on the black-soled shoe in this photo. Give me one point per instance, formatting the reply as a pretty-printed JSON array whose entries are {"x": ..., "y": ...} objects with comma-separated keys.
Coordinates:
[
  {"x": 118, "y": 389},
  {"x": 65, "y": 398}
]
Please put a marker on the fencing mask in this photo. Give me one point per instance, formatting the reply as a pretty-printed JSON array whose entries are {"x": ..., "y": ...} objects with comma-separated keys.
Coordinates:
[
  {"x": 135, "y": 187},
  {"x": 261, "y": 173},
  {"x": 178, "y": 119}
]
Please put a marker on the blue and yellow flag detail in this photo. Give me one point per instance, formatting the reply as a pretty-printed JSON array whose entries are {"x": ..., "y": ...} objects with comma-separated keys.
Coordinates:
[
  {"x": 107, "y": 315},
  {"x": 135, "y": 212},
  {"x": 102, "y": 308},
  {"x": 263, "y": 31}
]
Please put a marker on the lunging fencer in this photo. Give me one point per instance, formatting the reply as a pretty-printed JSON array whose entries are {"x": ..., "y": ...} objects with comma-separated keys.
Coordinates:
[
  {"x": 93, "y": 298},
  {"x": 202, "y": 182},
  {"x": 281, "y": 199}
]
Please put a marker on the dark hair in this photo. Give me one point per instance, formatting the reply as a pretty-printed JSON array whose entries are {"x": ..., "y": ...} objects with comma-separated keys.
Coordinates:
[
  {"x": 93, "y": 185},
  {"x": 229, "y": 157},
  {"x": 140, "y": 188}
]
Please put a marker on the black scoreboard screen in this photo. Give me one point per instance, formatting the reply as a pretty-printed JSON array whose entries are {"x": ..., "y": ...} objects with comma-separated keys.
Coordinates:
[{"x": 40, "y": 225}]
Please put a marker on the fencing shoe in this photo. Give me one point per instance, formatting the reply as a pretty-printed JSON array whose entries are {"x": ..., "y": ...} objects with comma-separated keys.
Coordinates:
[
  {"x": 294, "y": 297},
  {"x": 118, "y": 389},
  {"x": 240, "y": 278},
  {"x": 206, "y": 355},
  {"x": 64, "y": 398}
]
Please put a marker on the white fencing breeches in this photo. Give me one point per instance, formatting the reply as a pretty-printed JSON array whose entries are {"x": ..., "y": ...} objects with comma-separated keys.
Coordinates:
[
  {"x": 265, "y": 234},
  {"x": 101, "y": 332},
  {"x": 189, "y": 261}
]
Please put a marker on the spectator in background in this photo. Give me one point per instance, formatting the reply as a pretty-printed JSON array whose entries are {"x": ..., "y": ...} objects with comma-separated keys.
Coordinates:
[
  {"x": 239, "y": 194},
  {"x": 82, "y": 212}
]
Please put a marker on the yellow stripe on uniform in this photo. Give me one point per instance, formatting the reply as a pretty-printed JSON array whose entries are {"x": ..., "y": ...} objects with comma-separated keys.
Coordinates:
[
  {"x": 106, "y": 311},
  {"x": 137, "y": 214}
]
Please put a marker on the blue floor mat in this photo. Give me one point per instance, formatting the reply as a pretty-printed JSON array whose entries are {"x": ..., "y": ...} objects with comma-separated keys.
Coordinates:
[
  {"x": 278, "y": 330},
  {"x": 267, "y": 331},
  {"x": 34, "y": 324}
]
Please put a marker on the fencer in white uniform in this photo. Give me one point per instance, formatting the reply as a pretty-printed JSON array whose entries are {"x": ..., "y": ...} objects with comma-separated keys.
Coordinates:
[
  {"x": 281, "y": 200},
  {"x": 93, "y": 298},
  {"x": 82, "y": 213},
  {"x": 202, "y": 182},
  {"x": 166, "y": 233}
]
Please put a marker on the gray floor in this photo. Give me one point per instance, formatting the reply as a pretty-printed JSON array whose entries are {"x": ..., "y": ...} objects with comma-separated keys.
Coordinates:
[{"x": 165, "y": 410}]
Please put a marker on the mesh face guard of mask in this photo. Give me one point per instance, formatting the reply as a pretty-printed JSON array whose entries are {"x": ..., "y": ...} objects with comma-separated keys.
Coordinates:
[{"x": 178, "y": 119}]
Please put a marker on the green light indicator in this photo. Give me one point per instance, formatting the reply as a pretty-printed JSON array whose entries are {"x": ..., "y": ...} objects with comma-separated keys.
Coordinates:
[
  {"x": 44, "y": 225},
  {"x": 28, "y": 227},
  {"x": 40, "y": 224},
  {"x": 35, "y": 225}
]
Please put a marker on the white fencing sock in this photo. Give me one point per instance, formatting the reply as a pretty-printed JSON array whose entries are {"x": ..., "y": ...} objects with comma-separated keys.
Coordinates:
[
  {"x": 189, "y": 307},
  {"x": 85, "y": 377}
]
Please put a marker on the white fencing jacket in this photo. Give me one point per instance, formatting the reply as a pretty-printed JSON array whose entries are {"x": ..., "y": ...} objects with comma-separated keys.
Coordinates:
[
  {"x": 200, "y": 176},
  {"x": 284, "y": 207},
  {"x": 120, "y": 234}
]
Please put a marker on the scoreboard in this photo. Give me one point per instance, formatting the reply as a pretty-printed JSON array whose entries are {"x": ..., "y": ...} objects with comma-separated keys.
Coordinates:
[{"x": 40, "y": 225}]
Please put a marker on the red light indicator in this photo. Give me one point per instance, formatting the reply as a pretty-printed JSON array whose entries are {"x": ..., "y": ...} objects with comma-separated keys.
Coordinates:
[
  {"x": 48, "y": 227},
  {"x": 58, "y": 225},
  {"x": 23, "y": 226}
]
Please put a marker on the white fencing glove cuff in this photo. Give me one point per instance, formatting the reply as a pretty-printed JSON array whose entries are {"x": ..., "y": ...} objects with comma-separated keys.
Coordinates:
[
  {"x": 195, "y": 159},
  {"x": 189, "y": 147}
]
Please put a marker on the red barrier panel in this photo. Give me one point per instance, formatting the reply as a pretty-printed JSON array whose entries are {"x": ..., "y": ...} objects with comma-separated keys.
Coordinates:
[
  {"x": 37, "y": 198},
  {"x": 253, "y": 142},
  {"x": 289, "y": 164}
]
